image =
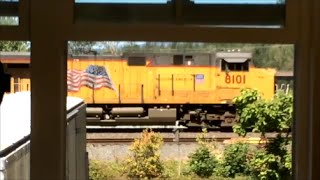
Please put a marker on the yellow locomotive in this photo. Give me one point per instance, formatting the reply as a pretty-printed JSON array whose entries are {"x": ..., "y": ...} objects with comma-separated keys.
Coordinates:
[{"x": 162, "y": 88}]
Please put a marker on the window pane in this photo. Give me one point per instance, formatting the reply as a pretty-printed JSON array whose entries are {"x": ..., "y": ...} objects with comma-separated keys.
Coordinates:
[
  {"x": 195, "y": 1},
  {"x": 124, "y": 11},
  {"x": 134, "y": 85},
  {"x": 9, "y": 20},
  {"x": 266, "y": 13},
  {"x": 124, "y": 1},
  {"x": 238, "y": 1}
]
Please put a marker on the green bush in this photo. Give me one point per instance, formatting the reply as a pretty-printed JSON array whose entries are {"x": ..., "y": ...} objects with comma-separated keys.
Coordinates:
[
  {"x": 271, "y": 164},
  {"x": 145, "y": 160},
  {"x": 235, "y": 161},
  {"x": 202, "y": 162},
  {"x": 265, "y": 166},
  {"x": 99, "y": 170}
]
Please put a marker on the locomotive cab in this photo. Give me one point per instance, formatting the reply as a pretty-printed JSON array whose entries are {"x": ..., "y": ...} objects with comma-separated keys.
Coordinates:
[{"x": 231, "y": 61}]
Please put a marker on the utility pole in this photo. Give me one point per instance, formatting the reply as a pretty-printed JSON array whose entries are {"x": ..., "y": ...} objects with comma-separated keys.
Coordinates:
[{"x": 176, "y": 131}]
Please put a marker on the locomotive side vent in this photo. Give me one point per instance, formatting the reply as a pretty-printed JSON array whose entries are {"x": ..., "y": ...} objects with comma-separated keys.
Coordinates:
[
  {"x": 136, "y": 61},
  {"x": 178, "y": 60}
]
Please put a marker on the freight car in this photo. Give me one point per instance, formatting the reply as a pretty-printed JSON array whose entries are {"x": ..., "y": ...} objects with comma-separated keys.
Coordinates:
[{"x": 193, "y": 89}]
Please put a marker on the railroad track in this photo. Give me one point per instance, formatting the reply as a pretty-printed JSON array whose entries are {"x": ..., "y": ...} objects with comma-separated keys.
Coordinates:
[
  {"x": 157, "y": 128},
  {"x": 128, "y": 140},
  {"x": 109, "y": 138}
]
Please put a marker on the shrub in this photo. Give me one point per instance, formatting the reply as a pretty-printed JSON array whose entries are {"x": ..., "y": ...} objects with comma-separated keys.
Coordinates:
[
  {"x": 202, "y": 162},
  {"x": 265, "y": 166},
  {"x": 234, "y": 161},
  {"x": 99, "y": 170},
  {"x": 96, "y": 171},
  {"x": 145, "y": 160}
]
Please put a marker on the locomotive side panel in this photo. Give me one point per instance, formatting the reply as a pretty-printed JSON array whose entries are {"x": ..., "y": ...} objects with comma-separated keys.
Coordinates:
[
  {"x": 76, "y": 78},
  {"x": 109, "y": 89},
  {"x": 112, "y": 81},
  {"x": 170, "y": 84},
  {"x": 264, "y": 80},
  {"x": 183, "y": 85},
  {"x": 201, "y": 84},
  {"x": 134, "y": 84},
  {"x": 230, "y": 83}
]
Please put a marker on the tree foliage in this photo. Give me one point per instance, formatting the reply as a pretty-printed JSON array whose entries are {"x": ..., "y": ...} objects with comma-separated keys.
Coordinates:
[
  {"x": 263, "y": 115},
  {"x": 81, "y": 47},
  {"x": 276, "y": 56},
  {"x": 13, "y": 46},
  {"x": 264, "y": 166},
  {"x": 273, "y": 161},
  {"x": 145, "y": 160},
  {"x": 267, "y": 165}
]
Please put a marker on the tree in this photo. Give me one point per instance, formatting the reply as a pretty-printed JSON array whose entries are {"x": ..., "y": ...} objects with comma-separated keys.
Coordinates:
[
  {"x": 273, "y": 160},
  {"x": 277, "y": 56},
  {"x": 111, "y": 47},
  {"x": 263, "y": 115},
  {"x": 81, "y": 47},
  {"x": 7, "y": 46}
]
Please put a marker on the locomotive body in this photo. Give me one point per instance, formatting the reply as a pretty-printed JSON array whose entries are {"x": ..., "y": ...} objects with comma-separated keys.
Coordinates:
[{"x": 164, "y": 88}]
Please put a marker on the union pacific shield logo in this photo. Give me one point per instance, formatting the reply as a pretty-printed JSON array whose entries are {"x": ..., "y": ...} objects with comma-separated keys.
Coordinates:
[{"x": 94, "y": 77}]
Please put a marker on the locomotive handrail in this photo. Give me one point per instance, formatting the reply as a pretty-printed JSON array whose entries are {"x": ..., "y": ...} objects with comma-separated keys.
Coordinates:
[{"x": 142, "y": 94}]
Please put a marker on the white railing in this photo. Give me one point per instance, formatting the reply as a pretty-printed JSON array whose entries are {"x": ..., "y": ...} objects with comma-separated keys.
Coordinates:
[{"x": 15, "y": 159}]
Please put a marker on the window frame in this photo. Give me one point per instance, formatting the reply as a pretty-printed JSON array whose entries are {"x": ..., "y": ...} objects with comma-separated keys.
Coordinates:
[
  {"x": 181, "y": 12},
  {"x": 18, "y": 9}
]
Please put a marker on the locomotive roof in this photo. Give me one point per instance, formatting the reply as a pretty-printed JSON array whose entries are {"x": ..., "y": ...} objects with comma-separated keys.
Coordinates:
[
  {"x": 224, "y": 55},
  {"x": 234, "y": 57}
]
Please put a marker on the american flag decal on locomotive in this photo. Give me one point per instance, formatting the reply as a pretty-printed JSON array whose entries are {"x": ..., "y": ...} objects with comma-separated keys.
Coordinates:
[{"x": 94, "y": 77}]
